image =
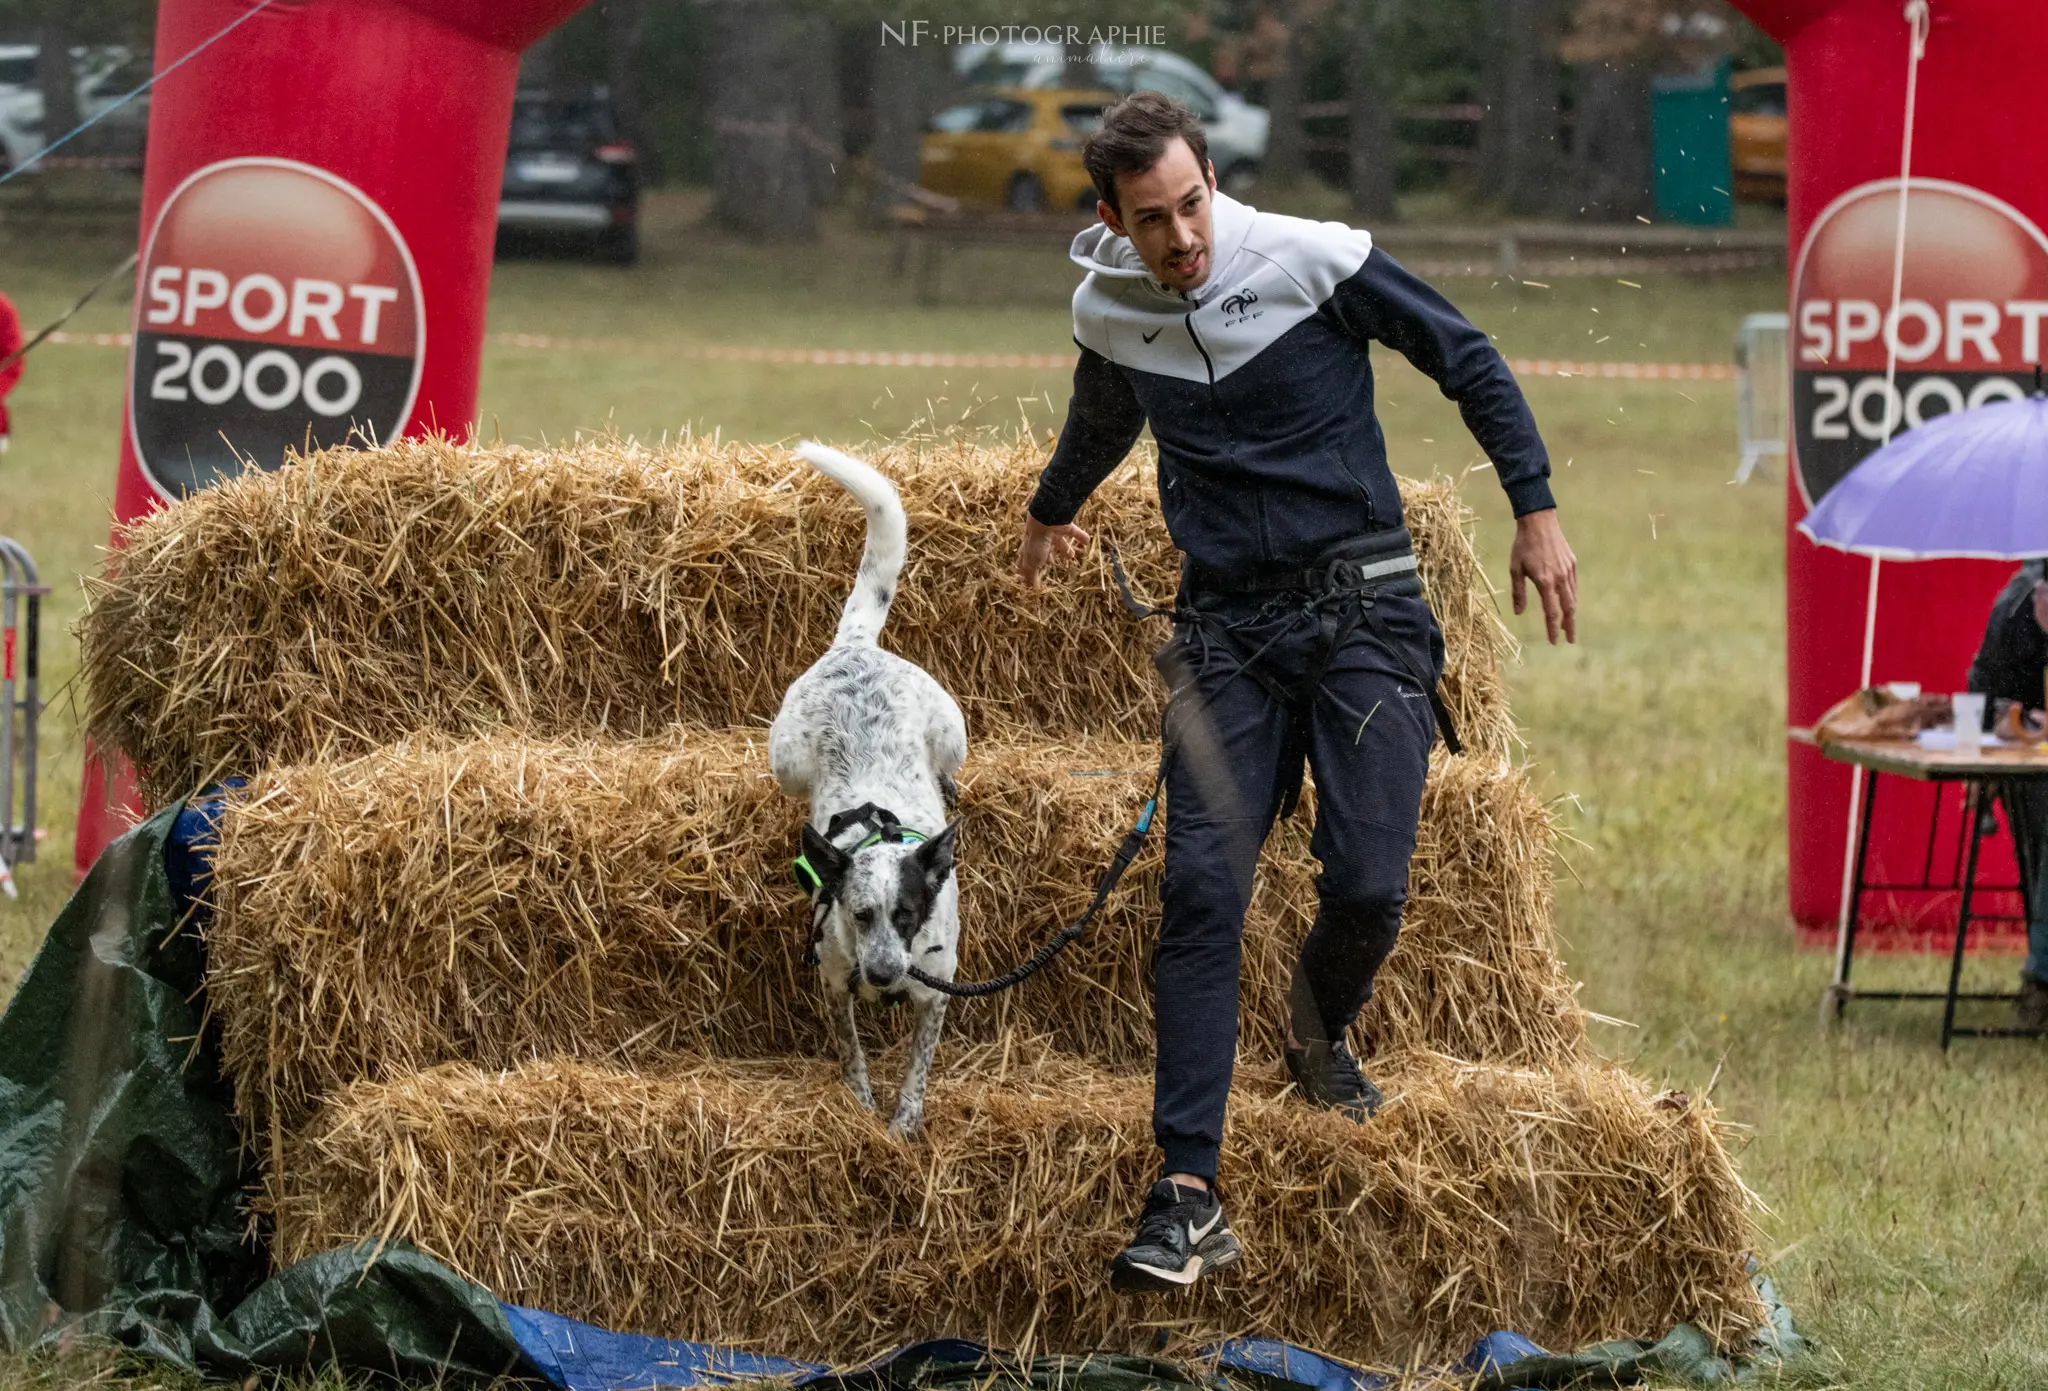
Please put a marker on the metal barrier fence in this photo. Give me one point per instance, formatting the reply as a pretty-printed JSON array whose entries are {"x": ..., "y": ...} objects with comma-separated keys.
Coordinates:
[
  {"x": 1763, "y": 390},
  {"x": 21, "y": 603}
]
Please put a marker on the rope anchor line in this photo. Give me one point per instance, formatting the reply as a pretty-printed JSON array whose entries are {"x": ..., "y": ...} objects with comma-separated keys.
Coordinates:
[{"x": 1917, "y": 17}]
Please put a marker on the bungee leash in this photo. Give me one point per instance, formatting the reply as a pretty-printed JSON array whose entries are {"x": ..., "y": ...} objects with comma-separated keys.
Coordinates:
[{"x": 1133, "y": 841}]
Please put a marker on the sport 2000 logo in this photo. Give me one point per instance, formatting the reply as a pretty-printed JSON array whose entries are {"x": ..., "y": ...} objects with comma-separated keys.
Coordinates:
[
  {"x": 278, "y": 308},
  {"x": 1968, "y": 328}
]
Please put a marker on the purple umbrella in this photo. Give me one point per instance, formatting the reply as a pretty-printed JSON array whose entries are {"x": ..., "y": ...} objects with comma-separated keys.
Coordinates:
[{"x": 1969, "y": 484}]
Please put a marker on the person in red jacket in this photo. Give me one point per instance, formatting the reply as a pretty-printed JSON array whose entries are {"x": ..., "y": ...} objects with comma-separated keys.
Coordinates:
[{"x": 10, "y": 344}]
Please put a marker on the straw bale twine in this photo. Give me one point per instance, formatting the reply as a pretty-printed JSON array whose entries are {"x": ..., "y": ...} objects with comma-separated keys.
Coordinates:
[
  {"x": 502, "y": 899},
  {"x": 756, "y": 1204},
  {"x": 357, "y": 596}
]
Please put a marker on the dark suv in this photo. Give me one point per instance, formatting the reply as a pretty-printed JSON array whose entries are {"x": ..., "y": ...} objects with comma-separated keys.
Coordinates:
[{"x": 569, "y": 177}]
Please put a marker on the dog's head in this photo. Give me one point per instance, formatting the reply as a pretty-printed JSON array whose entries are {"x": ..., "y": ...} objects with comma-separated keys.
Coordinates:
[{"x": 883, "y": 898}]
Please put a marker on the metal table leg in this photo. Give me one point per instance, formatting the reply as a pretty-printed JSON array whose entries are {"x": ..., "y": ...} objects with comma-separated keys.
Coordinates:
[
  {"x": 1972, "y": 809},
  {"x": 1841, "y": 990}
]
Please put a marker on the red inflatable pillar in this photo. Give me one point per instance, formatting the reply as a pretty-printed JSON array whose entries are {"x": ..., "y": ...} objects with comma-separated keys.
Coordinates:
[
  {"x": 1972, "y": 312},
  {"x": 318, "y": 211}
]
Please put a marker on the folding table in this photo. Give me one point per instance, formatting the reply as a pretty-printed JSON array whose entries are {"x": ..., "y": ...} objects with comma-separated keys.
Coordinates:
[{"x": 1982, "y": 773}]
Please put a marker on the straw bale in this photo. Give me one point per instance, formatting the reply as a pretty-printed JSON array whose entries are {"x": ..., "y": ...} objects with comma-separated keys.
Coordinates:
[
  {"x": 357, "y": 596},
  {"x": 756, "y": 1204},
  {"x": 500, "y": 899}
]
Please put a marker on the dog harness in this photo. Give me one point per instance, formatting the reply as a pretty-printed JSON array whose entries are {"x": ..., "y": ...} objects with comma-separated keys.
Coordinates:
[{"x": 881, "y": 826}]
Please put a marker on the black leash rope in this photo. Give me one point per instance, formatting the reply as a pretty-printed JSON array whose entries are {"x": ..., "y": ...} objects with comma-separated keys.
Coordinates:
[{"x": 1134, "y": 840}]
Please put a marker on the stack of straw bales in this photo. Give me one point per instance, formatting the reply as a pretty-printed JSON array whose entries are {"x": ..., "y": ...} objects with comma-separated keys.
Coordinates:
[
  {"x": 754, "y": 1203},
  {"x": 345, "y": 602},
  {"x": 625, "y": 902},
  {"x": 507, "y": 962}
]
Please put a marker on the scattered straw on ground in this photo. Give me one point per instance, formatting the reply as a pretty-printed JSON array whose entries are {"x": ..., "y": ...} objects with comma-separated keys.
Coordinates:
[
  {"x": 358, "y": 596},
  {"x": 499, "y": 900},
  {"x": 756, "y": 1204}
]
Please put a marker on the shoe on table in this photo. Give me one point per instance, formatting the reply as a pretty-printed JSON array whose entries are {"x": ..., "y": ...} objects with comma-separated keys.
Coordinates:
[
  {"x": 1181, "y": 1235},
  {"x": 2030, "y": 1011},
  {"x": 1328, "y": 1076}
]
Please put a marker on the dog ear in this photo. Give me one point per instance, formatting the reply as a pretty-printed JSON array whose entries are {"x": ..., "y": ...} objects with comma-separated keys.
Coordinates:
[
  {"x": 827, "y": 859},
  {"x": 935, "y": 856}
]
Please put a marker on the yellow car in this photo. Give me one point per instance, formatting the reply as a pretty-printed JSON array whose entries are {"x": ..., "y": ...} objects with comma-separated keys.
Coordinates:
[
  {"x": 1014, "y": 147},
  {"x": 1756, "y": 133}
]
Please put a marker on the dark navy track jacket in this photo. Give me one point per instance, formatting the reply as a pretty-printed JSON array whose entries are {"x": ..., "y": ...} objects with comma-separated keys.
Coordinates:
[{"x": 1258, "y": 388}]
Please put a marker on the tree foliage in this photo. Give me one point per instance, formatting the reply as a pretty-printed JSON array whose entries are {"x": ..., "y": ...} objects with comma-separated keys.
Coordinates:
[{"x": 129, "y": 22}]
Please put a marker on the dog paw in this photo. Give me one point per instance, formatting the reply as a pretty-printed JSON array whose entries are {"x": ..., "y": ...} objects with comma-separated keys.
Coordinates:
[
  {"x": 861, "y": 1094},
  {"x": 906, "y": 1124}
]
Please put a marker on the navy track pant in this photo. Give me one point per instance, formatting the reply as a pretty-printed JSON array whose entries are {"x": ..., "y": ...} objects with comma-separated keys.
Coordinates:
[{"x": 1366, "y": 737}]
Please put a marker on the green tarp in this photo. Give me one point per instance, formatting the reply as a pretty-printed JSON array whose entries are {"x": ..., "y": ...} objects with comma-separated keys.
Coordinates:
[{"x": 121, "y": 1176}]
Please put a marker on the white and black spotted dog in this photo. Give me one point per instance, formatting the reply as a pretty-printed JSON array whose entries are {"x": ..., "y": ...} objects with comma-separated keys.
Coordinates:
[{"x": 874, "y": 743}]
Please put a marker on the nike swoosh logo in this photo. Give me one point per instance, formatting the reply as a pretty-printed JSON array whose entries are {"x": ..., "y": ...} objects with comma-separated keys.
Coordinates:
[
  {"x": 1148, "y": 337},
  {"x": 1184, "y": 1276},
  {"x": 1196, "y": 1234}
]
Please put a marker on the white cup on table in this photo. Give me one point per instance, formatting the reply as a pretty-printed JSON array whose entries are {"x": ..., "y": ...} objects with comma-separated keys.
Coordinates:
[{"x": 1969, "y": 712}]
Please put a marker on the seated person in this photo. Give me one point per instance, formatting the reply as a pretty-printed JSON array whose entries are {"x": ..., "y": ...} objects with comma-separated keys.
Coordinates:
[{"x": 2009, "y": 666}]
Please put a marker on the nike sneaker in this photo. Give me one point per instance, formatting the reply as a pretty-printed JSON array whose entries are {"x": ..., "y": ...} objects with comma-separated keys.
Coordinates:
[{"x": 1181, "y": 1236}]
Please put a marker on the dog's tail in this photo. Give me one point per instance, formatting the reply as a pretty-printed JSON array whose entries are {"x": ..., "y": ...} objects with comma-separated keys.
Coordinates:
[{"x": 867, "y": 608}]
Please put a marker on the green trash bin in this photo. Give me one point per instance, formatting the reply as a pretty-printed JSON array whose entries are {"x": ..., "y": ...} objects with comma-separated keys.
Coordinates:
[{"x": 1695, "y": 171}]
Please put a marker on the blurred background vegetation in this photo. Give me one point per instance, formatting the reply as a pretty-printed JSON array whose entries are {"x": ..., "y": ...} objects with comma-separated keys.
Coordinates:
[{"x": 1522, "y": 107}]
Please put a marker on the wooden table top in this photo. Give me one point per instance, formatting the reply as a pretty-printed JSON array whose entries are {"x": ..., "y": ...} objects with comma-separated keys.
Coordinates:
[{"x": 1907, "y": 759}]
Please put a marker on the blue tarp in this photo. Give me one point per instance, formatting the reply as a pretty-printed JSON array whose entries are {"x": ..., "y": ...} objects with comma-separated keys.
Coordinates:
[{"x": 582, "y": 1357}]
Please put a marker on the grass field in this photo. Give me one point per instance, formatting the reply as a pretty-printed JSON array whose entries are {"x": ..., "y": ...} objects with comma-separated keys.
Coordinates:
[{"x": 1903, "y": 1204}]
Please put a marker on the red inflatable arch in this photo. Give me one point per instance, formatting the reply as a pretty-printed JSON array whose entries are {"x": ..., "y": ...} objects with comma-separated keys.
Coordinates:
[
  {"x": 1972, "y": 313},
  {"x": 318, "y": 211}
]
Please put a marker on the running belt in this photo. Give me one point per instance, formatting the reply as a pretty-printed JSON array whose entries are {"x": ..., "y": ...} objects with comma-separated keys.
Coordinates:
[{"x": 1378, "y": 560}]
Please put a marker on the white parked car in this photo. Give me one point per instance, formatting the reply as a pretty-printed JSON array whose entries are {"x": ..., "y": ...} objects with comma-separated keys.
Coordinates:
[
  {"x": 103, "y": 75},
  {"x": 21, "y": 105},
  {"x": 1236, "y": 128}
]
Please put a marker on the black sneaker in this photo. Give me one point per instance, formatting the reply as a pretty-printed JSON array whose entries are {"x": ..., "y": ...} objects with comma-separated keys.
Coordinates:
[
  {"x": 1181, "y": 1234},
  {"x": 1328, "y": 1076}
]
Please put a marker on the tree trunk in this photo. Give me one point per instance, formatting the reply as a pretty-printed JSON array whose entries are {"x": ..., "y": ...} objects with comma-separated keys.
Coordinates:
[
  {"x": 624, "y": 23},
  {"x": 1370, "y": 131},
  {"x": 1530, "y": 152},
  {"x": 904, "y": 91},
  {"x": 816, "y": 75},
  {"x": 58, "y": 83},
  {"x": 1610, "y": 168},
  {"x": 761, "y": 179},
  {"x": 540, "y": 66},
  {"x": 1284, "y": 162}
]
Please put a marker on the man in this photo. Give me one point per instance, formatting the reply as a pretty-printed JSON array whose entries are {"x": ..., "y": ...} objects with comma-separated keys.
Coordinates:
[
  {"x": 1301, "y": 634},
  {"x": 2009, "y": 666}
]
